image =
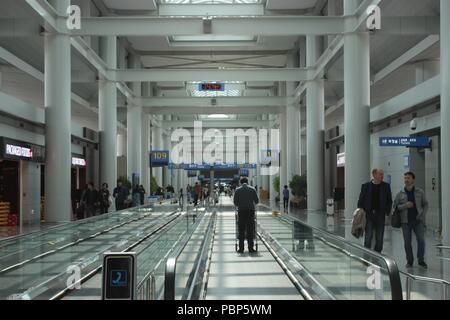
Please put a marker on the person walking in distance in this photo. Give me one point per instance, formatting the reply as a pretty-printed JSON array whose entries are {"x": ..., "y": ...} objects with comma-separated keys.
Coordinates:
[
  {"x": 120, "y": 193},
  {"x": 197, "y": 191},
  {"x": 245, "y": 198},
  {"x": 104, "y": 198},
  {"x": 413, "y": 206},
  {"x": 376, "y": 200}
]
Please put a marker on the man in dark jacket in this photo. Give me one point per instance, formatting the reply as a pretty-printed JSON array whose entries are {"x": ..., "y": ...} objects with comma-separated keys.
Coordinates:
[
  {"x": 90, "y": 200},
  {"x": 120, "y": 193},
  {"x": 376, "y": 200},
  {"x": 245, "y": 199}
]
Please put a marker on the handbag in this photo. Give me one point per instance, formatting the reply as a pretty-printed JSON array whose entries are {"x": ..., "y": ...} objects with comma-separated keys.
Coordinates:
[{"x": 396, "y": 219}]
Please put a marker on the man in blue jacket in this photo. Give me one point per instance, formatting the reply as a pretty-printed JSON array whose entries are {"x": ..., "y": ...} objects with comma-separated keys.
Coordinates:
[{"x": 376, "y": 200}]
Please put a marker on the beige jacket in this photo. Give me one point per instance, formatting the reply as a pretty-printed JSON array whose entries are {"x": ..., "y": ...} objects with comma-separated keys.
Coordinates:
[{"x": 358, "y": 223}]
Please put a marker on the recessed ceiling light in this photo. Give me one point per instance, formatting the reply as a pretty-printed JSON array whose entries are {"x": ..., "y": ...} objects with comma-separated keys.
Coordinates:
[{"x": 218, "y": 116}]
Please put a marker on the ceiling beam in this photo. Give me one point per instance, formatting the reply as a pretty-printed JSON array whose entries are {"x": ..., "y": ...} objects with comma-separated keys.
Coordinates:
[
  {"x": 170, "y": 26},
  {"x": 211, "y": 10},
  {"x": 406, "y": 57},
  {"x": 244, "y": 74},
  {"x": 219, "y": 102},
  {"x": 214, "y": 53},
  {"x": 208, "y": 123},
  {"x": 214, "y": 110}
]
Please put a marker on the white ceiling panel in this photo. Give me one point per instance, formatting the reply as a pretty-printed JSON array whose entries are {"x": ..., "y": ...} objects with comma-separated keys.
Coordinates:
[
  {"x": 290, "y": 4},
  {"x": 131, "y": 4}
]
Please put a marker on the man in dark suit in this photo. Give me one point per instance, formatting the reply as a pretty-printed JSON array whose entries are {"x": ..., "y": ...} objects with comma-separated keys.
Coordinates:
[
  {"x": 245, "y": 199},
  {"x": 376, "y": 200}
]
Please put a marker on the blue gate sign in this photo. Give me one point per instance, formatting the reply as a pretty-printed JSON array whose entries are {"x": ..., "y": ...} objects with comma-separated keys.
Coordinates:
[
  {"x": 411, "y": 142},
  {"x": 159, "y": 158}
]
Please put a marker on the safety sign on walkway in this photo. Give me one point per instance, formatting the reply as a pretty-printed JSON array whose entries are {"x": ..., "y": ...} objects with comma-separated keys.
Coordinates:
[{"x": 119, "y": 276}]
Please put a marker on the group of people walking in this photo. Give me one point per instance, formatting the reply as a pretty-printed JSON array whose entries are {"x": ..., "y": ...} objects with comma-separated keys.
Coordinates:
[
  {"x": 93, "y": 202},
  {"x": 410, "y": 203}
]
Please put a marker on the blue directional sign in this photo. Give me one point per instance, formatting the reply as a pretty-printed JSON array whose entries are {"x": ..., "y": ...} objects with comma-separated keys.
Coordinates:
[
  {"x": 192, "y": 173},
  {"x": 411, "y": 142},
  {"x": 159, "y": 158},
  {"x": 209, "y": 166},
  {"x": 243, "y": 172}
]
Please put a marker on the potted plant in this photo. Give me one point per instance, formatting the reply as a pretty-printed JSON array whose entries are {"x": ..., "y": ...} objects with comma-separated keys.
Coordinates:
[{"x": 276, "y": 186}]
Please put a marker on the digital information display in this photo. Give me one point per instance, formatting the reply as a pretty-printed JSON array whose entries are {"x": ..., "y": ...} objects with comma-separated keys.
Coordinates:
[
  {"x": 411, "y": 142},
  {"x": 159, "y": 158},
  {"x": 211, "y": 86},
  {"x": 119, "y": 276}
]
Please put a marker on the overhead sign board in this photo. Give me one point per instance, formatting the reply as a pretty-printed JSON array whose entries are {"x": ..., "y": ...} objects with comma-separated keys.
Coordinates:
[
  {"x": 217, "y": 166},
  {"x": 119, "y": 276},
  {"x": 410, "y": 142},
  {"x": 205, "y": 86},
  {"x": 79, "y": 162},
  {"x": 159, "y": 158}
]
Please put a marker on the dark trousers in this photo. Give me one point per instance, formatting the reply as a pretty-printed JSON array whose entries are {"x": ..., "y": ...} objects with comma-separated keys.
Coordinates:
[
  {"x": 285, "y": 203},
  {"x": 195, "y": 199},
  {"x": 246, "y": 227},
  {"x": 419, "y": 230},
  {"x": 104, "y": 209},
  {"x": 120, "y": 205},
  {"x": 374, "y": 225}
]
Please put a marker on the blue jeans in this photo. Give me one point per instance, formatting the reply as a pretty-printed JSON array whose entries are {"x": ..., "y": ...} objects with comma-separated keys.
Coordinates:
[
  {"x": 419, "y": 230},
  {"x": 377, "y": 227}
]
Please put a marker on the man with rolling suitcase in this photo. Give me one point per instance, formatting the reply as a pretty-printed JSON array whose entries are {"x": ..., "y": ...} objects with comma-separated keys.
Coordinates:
[{"x": 245, "y": 199}]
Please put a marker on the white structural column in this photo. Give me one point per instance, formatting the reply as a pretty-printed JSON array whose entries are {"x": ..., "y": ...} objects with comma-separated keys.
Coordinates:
[
  {"x": 57, "y": 118},
  {"x": 145, "y": 160},
  {"x": 166, "y": 146},
  {"x": 134, "y": 126},
  {"x": 292, "y": 124},
  {"x": 107, "y": 116},
  {"x": 156, "y": 145},
  {"x": 283, "y": 151},
  {"x": 315, "y": 126},
  {"x": 272, "y": 191},
  {"x": 266, "y": 179},
  {"x": 445, "y": 120},
  {"x": 357, "y": 114}
]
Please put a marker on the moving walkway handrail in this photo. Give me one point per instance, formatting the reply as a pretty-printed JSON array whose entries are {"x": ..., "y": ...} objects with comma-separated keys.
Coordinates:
[
  {"x": 158, "y": 229},
  {"x": 409, "y": 276},
  {"x": 69, "y": 224},
  {"x": 392, "y": 268},
  {"x": 171, "y": 264},
  {"x": 193, "y": 290}
]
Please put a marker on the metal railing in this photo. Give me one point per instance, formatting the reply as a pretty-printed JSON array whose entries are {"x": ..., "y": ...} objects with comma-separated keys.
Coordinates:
[
  {"x": 409, "y": 277},
  {"x": 171, "y": 264},
  {"x": 146, "y": 288},
  {"x": 392, "y": 268},
  {"x": 194, "y": 284}
]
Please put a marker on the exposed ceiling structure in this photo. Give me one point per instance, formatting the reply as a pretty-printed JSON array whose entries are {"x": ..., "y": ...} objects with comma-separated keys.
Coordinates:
[{"x": 211, "y": 51}]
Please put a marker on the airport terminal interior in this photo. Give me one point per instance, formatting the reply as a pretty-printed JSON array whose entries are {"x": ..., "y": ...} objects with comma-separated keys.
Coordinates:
[{"x": 128, "y": 127}]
